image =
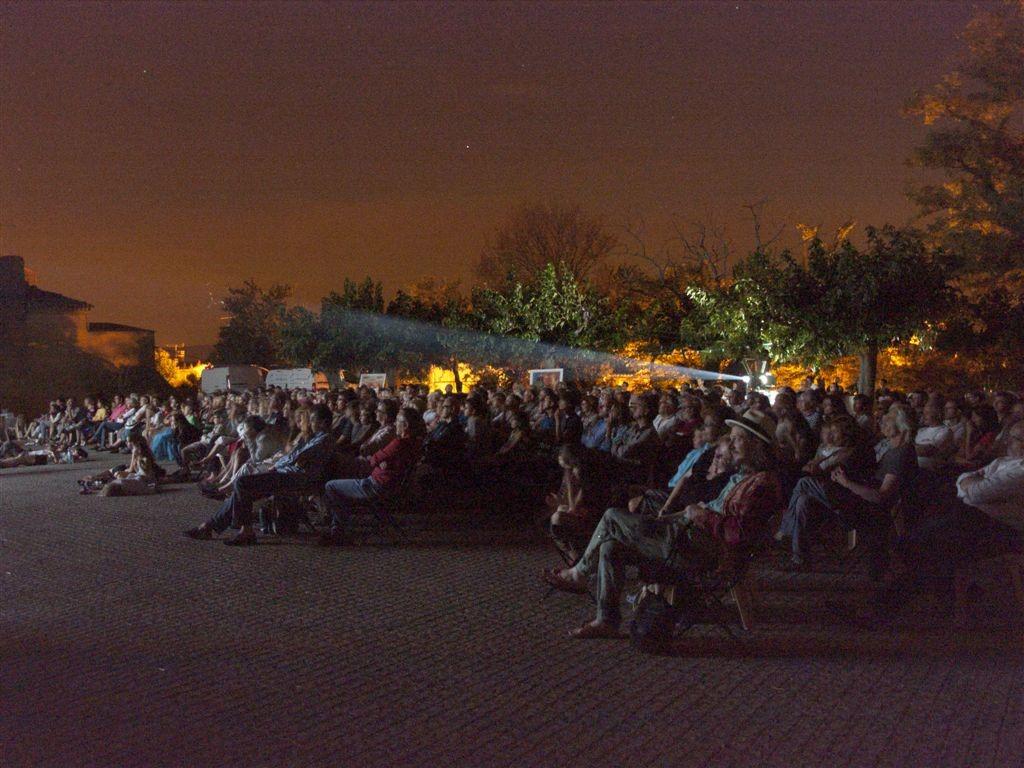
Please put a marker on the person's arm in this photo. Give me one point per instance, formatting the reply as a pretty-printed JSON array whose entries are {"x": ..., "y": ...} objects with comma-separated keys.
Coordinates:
[
  {"x": 986, "y": 487},
  {"x": 676, "y": 490},
  {"x": 890, "y": 486}
]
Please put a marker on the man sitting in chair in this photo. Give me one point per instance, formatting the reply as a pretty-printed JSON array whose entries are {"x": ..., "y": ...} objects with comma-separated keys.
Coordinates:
[
  {"x": 300, "y": 470},
  {"x": 986, "y": 520},
  {"x": 703, "y": 537},
  {"x": 384, "y": 473}
]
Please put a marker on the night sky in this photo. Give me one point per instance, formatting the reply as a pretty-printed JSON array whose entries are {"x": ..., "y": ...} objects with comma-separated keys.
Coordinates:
[{"x": 152, "y": 155}]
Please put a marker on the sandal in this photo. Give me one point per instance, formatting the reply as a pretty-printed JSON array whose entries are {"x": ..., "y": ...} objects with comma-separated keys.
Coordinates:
[
  {"x": 590, "y": 631},
  {"x": 553, "y": 579}
]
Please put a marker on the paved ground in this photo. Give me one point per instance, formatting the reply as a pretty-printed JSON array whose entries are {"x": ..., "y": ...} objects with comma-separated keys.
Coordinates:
[{"x": 125, "y": 644}]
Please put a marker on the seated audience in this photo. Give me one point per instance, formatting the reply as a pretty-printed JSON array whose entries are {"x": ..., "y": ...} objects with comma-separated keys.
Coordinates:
[
  {"x": 702, "y": 537},
  {"x": 300, "y": 470}
]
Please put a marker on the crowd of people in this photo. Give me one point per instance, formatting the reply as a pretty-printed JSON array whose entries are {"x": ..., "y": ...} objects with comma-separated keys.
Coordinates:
[{"x": 698, "y": 477}]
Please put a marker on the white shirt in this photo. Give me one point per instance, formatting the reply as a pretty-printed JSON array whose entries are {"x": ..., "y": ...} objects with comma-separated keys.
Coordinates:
[
  {"x": 665, "y": 424},
  {"x": 1000, "y": 494},
  {"x": 940, "y": 438},
  {"x": 958, "y": 427}
]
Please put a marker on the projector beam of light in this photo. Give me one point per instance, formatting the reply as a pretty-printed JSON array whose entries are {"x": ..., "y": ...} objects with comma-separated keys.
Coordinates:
[{"x": 405, "y": 341}]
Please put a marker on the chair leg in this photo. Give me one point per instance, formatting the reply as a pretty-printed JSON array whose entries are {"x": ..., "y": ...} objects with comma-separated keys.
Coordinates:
[{"x": 743, "y": 596}]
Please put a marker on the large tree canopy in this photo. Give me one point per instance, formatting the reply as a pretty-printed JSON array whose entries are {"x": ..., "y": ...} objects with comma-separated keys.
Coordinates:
[{"x": 976, "y": 137}]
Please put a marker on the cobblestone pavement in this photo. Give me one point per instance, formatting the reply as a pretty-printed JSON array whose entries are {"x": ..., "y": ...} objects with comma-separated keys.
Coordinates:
[{"x": 125, "y": 644}]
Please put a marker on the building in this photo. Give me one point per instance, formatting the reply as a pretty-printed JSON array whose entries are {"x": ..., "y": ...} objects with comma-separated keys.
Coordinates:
[{"x": 49, "y": 347}]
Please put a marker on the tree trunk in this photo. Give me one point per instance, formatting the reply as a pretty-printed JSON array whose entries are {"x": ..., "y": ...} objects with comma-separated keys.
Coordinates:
[
  {"x": 455, "y": 371},
  {"x": 868, "y": 369}
]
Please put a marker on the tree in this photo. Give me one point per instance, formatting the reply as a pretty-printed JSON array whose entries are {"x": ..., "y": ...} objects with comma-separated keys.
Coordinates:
[
  {"x": 252, "y": 333},
  {"x": 556, "y": 315},
  {"x": 975, "y": 137},
  {"x": 539, "y": 235},
  {"x": 841, "y": 301}
]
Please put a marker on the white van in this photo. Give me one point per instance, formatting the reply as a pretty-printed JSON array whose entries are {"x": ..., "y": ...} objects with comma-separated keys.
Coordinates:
[
  {"x": 291, "y": 378},
  {"x": 241, "y": 377}
]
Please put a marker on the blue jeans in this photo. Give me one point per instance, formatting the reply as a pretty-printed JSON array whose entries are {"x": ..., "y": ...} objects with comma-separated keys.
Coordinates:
[
  {"x": 341, "y": 496},
  {"x": 812, "y": 500},
  {"x": 236, "y": 510},
  {"x": 106, "y": 428}
]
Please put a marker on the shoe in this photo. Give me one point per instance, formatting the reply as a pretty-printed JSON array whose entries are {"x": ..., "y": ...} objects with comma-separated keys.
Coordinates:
[
  {"x": 200, "y": 533},
  {"x": 331, "y": 539},
  {"x": 595, "y": 631},
  {"x": 241, "y": 540},
  {"x": 565, "y": 585}
]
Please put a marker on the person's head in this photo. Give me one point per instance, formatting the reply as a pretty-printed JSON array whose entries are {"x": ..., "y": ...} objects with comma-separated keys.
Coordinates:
[
  {"x": 568, "y": 399},
  {"x": 667, "y": 406},
  {"x": 303, "y": 423},
  {"x": 896, "y": 425},
  {"x": 1015, "y": 441},
  {"x": 1003, "y": 403},
  {"x": 843, "y": 431},
  {"x": 833, "y": 405},
  {"x": 387, "y": 410},
  {"x": 931, "y": 415},
  {"x": 367, "y": 411},
  {"x": 138, "y": 443},
  {"x": 548, "y": 399},
  {"x": 952, "y": 411},
  {"x": 588, "y": 405},
  {"x": 784, "y": 403},
  {"x": 570, "y": 456},
  {"x": 722, "y": 459},
  {"x": 320, "y": 418},
  {"x": 808, "y": 402},
  {"x": 520, "y": 421},
  {"x": 794, "y": 440},
  {"x": 916, "y": 399},
  {"x": 449, "y": 409},
  {"x": 476, "y": 407},
  {"x": 984, "y": 418},
  {"x": 279, "y": 401},
  {"x": 117, "y": 399},
  {"x": 861, "y": 404},
  {"x": 409, "y": 423},
  {"x": 753, "y": 440},
  {"x": 639, "y": 409},
  {"x": 252, "y": 426}
]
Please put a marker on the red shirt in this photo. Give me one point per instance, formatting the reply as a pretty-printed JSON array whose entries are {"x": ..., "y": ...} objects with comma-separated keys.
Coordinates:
[{"x": 392, "y": 462}]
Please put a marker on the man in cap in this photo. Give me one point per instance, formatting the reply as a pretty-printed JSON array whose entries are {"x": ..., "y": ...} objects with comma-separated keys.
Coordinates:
[{"x": 702, "y": 537}]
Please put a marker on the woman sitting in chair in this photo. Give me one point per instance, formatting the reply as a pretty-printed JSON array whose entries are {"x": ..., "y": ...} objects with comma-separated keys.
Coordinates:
[
  {"x": 384, "y": 473},
  {"x": 703, "y": 537}
]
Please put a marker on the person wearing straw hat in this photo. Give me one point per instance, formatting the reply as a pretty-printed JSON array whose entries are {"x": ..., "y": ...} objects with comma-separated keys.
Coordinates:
[{"x": 701, "y": 537}]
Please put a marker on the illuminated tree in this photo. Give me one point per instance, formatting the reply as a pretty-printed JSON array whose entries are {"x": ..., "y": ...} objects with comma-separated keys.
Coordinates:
[
  {"x": 841, "y": 301},
  {"x": 975, "y": 137}
]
